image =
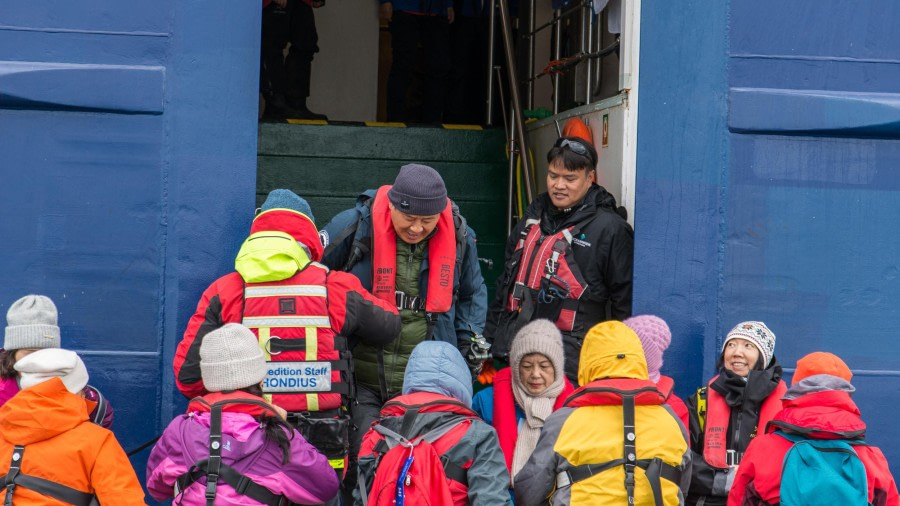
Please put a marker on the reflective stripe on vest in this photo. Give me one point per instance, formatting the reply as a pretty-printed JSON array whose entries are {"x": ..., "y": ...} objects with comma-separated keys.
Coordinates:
[
  {"x": 548, "y": 261},
  {"x": 718, "y": 417},
  {"x": 290, "y": 318}
]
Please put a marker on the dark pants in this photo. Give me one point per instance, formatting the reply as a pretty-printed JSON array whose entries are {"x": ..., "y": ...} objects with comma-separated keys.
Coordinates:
[
  {"x": 288, "y": 77},
  {"x": 366, "y": 410},
  {"x": 466, "y": 92},
  {"x": 407, "y": 31}
]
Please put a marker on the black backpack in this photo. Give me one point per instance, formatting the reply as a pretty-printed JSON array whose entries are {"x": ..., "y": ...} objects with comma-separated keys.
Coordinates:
[{"x": 214, "y": 470}]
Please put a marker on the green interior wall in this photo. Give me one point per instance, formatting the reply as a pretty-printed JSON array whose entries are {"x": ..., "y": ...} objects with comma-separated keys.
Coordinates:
[{"x": 330, "y": 165}]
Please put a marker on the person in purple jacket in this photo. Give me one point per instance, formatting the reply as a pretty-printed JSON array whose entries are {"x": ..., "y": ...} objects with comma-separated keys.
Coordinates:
[
  {"x": 254, "y": 448},
  {"x": 31, "y": 325}
]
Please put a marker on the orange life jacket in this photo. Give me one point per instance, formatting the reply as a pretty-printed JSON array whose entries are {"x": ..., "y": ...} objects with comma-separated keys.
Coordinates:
[{"x": 441, "y": 256}]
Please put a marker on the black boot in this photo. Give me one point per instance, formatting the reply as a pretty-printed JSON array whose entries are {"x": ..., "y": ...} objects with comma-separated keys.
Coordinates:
[{"x": 300, "y": 111}]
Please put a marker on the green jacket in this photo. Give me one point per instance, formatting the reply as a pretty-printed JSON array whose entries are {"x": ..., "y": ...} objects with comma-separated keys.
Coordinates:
[{"x": 413, "y": 331}]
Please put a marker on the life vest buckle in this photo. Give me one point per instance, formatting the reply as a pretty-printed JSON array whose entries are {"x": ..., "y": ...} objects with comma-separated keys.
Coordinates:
[{"x": 269, "y": 346}]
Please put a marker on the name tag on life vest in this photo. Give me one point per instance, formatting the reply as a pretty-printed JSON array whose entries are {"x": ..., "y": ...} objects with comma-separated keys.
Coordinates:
[{"x": 290, "y": 377}]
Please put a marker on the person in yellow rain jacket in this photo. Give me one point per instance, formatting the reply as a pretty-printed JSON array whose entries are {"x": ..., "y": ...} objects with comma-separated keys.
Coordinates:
[{"x": 615, "y": 441}]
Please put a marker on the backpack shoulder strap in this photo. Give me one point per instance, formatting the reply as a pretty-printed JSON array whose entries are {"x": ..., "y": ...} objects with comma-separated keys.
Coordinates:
[
  {"x": 49, "y": 488},
  {"x": 241, "y": 483},
  {"x": 102, "y": 407}
]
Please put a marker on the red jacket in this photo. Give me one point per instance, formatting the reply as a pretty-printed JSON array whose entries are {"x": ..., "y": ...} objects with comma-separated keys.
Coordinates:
[
  {"x": 666, "y": 385},
  {"x": 352, "y": 311},
  {"x": 829, "y": 414},
  {"x": 504, "y": 416}
]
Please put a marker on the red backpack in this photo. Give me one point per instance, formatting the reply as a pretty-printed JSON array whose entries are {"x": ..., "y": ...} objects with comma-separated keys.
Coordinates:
[{"x": 409, "y": 467}]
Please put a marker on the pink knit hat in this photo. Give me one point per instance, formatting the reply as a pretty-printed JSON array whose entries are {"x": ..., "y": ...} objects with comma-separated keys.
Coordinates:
[{"x": 655, "y": 337}]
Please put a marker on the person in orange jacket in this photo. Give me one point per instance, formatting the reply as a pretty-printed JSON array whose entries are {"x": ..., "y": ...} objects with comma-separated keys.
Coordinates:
[{"x": 45, "y": 433}]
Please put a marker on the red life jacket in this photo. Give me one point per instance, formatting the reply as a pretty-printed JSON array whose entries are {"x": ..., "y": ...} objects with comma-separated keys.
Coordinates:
[
  {"x": 505, "y": 411},
  {"x": 290, "y": 318},
  {"x": 253, "y": 408},
  {"x": 666, "y": 386},
  {"x": 547, "y": 268},
  {"x": 441, "y": 256},
  {"x": 426, "y": 402},
  {"x": 718, "y": 416}
]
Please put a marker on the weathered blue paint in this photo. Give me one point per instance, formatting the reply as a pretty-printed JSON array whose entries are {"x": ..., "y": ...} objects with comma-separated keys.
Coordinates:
[
  {"x": 128, "y": 135},
  {"x": 767, "y": 183}
]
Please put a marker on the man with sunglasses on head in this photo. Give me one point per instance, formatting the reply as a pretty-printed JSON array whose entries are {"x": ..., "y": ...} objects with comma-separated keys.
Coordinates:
[{"x": 569, "y": 259}]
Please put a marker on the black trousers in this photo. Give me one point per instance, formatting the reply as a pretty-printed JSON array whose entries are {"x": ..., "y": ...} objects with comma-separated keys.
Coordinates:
[
  {"x": 407, "y": 32},
  {"x": 288, "y": 77},
  {"x": 468, "y": 71},
  {"x": 365, "y": 410}
]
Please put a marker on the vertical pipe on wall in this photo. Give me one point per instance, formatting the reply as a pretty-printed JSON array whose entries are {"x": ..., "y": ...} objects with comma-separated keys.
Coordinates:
[
  {"x": 489, "y": 100},
  {"x": 532, "y": 11},
  {"x": 588, "y": 23},
  {"x": 511, "y": 73},
  {"x": 557, "y": 42}
]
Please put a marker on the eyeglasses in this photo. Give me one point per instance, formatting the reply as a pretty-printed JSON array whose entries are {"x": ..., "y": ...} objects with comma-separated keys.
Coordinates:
[{"x": 576, "y": 147}]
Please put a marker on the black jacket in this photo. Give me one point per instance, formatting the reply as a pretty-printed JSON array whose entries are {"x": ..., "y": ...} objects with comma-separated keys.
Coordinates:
[{"x": 604, "y": 253}]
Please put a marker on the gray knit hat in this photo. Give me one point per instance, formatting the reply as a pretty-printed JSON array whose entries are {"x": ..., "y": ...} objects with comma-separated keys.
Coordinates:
[
  {"x": 539, "y": 336},
  {"x": 418, "y": 190},
  {"x": 230, "y": 359},
  {"x": 31, "y": 322}
]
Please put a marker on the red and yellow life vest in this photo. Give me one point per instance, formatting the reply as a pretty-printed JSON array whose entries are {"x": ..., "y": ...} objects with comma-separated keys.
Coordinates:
[
  {"x": 291, "y": 320},
  {"x": 441, "y": 256},
  {"x": 548, "y": 270},
  {"x": 718, "y": 416}
]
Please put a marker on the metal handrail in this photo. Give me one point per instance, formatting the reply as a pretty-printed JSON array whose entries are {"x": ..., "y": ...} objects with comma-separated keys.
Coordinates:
[{"x": 591, "y": 34}]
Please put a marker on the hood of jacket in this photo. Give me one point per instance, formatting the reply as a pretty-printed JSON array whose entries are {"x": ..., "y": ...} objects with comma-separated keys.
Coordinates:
[
  {"x": 611, "y": 350},
  {"x": 41, "y": 412},
  {"x": 281, "y": 242},
  {"x": 821, "y": 407},
  {"x": 439, "y": 368}
]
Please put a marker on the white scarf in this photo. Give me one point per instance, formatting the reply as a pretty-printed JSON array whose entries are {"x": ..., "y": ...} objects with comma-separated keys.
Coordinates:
[{"x": 537, "y": 408}]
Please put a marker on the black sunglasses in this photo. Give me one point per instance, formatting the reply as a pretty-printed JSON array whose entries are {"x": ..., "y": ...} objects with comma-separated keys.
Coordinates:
[{"x": 576, "y": 147}]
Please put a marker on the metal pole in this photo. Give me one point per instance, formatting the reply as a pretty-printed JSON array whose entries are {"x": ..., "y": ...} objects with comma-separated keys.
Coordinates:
[
  {"x": 489, "y": 103},
  {"x": 532, "y": 7},
  {"x": 511, "y": 73},
  {"x": 512, "y": 176},
  {"x": 589, "y": 63},
  {"x": 557, "y": 40}
]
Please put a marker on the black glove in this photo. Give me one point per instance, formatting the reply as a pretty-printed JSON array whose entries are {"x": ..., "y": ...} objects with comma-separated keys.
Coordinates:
[{"x": 477, "y": 351}]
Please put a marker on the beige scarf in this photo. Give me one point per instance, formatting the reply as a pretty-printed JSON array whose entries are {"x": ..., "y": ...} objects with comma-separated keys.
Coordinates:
[{"x": 537, "y": 409}]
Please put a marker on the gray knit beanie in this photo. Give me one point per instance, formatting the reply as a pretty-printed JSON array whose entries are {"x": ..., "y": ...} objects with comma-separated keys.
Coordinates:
[
  {"x": 31, "y": 322},
  {"x": 540, "y": 336},
  {"x": 418, "y": 190},
  {"x": 230, "y": 359}
]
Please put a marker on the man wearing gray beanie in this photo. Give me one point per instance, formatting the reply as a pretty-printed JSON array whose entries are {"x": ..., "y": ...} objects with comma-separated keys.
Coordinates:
[{"x": 409, "y": 245}]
